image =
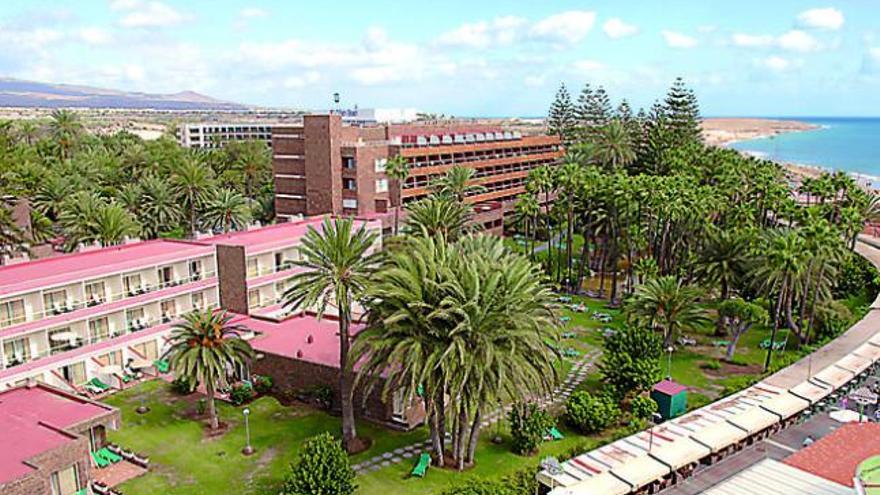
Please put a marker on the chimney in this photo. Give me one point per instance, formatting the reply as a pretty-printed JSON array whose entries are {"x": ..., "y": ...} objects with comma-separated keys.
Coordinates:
[{"x": 232, "y": 278}]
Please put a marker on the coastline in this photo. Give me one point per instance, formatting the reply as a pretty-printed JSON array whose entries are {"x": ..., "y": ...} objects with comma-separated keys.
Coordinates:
[{"x": 727, "y": 130}]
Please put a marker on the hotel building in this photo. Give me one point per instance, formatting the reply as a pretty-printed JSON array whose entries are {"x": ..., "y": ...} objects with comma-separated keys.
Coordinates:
[
  {"x": 216, "y": 134},
  {"x": 324, "y": 166}
]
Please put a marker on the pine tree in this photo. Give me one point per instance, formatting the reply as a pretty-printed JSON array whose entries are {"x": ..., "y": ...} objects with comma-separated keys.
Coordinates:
[
  {"x": 561, "y": 118},
  {"x": 682, "y": 114},
  {"x": 582, "y": 110}
]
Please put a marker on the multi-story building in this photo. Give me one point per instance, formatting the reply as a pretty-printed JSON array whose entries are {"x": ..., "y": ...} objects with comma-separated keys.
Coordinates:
[
  {"x": 216, "y": 134},
  {"x": 324, "y": 166}
]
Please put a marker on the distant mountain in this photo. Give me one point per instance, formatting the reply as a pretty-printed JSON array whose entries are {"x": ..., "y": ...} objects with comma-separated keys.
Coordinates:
[{"x": 18, "y": 93}]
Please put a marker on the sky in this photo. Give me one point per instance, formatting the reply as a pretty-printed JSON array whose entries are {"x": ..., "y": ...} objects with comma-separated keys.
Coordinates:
[{"x": 464, "y": 58}]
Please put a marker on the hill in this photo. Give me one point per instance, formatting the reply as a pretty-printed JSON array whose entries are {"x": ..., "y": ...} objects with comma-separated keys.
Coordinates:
[{"x": 19, "y": 93}]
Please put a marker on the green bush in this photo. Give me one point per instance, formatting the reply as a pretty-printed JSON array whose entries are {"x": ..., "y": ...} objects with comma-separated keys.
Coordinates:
[
  {"x": 241, "y": 393},
  {"x": 321, "y": 468},
  {"x": 474, "y": 486},
  {"x": 523, "y": 481},
  {"x": 643, "y": 407},
  {"x": 528, "y": 426},
  {"x": 323, "y": 395},
  {"x": 710, "y": 365},
  {"x": 201, "y": 406},
  {"x": 856, "y": 276},
  {"x": 182, "y": 385},
  {"x": 262, "y": 384},
  {"x": 590, "y": 414},
  {"x": 631, "y": 362}
]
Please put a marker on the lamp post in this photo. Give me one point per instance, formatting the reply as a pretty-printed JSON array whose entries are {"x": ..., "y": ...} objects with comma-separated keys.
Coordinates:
[
  {"x": 656, "y": 419},
  {"x": 247, "y": 450},
  {"x": 669, "y": 362}
]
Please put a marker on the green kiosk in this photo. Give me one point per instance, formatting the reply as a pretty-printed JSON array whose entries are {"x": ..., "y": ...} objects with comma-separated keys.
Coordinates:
[{"x": 671, "y": 398}]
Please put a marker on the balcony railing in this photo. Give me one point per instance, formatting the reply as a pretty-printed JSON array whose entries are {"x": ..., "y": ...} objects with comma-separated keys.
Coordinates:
[{"x": 73, "y": 305}]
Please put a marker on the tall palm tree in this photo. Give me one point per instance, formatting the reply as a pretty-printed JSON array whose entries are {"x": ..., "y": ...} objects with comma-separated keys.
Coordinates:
[
  {"x": 668, "y": 305},
  {"x": 254, "y": 162},
  {"x": 28, "y": 131},
  {"x": 614, "y": 146},
  {"x": 227, "y": 210},
  {"x": 51, "y": 194},
  {"x": 112, "y": 225},
  {"x": 720, "y": 263},
  {"x": 437, "y": 216},
  {"x": 527, "y": 211},
  {"x": 78, "y": 217},
  {"x": 338, "y": 262},
  {"x": 159, "y": 211},
  {"x": 192, "y": 182},
  {"x": 458, "y": 182},
  {"x": 569, "y": 178},
  {"x": 65, "y": 128},
  {"x": 397, "y": 169},
  {"x": 203, "y": 347}
]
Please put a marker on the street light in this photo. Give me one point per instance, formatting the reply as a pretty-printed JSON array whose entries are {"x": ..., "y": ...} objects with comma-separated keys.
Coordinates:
[
  {"x": 669, "y": 362},
  {"x": 247, "y": 450},
  {"x": 656, "y": 419}
]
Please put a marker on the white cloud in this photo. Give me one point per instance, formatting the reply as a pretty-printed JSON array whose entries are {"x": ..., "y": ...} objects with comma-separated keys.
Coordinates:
[
  {"x": 707, "y": 28},
  {"x": 776, "y": 63},
  {"x": 615, "y": 28},
  {"x": 587, "y": 66},
  {"x": 95, "y": 36},
  {"x": 252, "y": 13},
  {"x": 678, "y": 40},
  {"x": 534, "y": 81},
  {"x": 301, "y": 81},
  {"x": 827, "y": 18},
  {"x": 147, "y": 14},
  {"x": 798, "y": 41},
  {"x": 500, "y": 31},
  {"x": 567, "y": 27},
  {"x": 753, "y": 40}
]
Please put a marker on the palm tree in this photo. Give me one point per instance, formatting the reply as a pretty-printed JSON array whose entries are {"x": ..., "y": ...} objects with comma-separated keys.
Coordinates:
[
  {"x": 720, "y": 263},
  {"x": 78, "y": 217},
  {"x": 228, "y": 210},
  {"x": 437, "y": 216},
  {"x": 397, "y": 169},
  {"x": 614, "y": 146},
  {"x": 668, "y": 305},
  {"x": 51, "y": 194},
  {"x": 192, "y": 182},
  {"x": 65, "y": 127},
  {"x": 527, "y": 211},
  {"x": 458, "y": 183},
  {"x": 160, "y": 212},
  {"x": 113, "y": 225},
  {"x": 569, "y": 179},
  {"x": 468, "y": 321},
  {"x": 203, "y": 347},
  {"x": 253, "y": 162},
  {"x": 338, "y": 263},
  {"x": 28, "y": 131},
  {"x": 12, "y": 238}
]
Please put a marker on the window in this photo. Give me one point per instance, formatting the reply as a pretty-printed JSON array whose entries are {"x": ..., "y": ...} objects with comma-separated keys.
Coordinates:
[
  {"x": 55, "y": 301},
  {"x": 254, "y": 298},
  {"x": 169, "y": 309},
  {"x": 253, "y": 267},
  {"x": 59, "y": 342},
  {"x": 195, "y": 270},
  {"x": 349, "y": 184},
  {"x": 132, "y": 284},
  {"x": 75, "y": 374},
  {"x": 11, "y": 312},
  {"x": 398, "y": 406},
  {"x": 380, "y": 164},
  {"x": 65, "y": 482},
  {"x": 350, "y": 203},
  {"x": 136, "y": 319},
  {"x": 198, "y": 300},
  {"x": 111, "y": 358},
  {"x": 166, "y": 276},
  {"x": 17, "y": 351},
  {"x": 95, "y": 293},
  {"x": 99, "y": 329},
  {"x": 349, "y": 162},
  {"x": 381, "y": 185},
  {"x": 149, "y": 350}
]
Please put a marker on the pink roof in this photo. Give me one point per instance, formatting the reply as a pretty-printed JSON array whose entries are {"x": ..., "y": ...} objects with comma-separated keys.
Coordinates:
[
  {"x": 269, "y": 237},
  {"x": 836, "y": 456},
  {"x": 75, "y": 267},
  {"x": 31, "y": 417},
  {"x": 287, "y": 338},
  {"x": 669, "y": 387}
]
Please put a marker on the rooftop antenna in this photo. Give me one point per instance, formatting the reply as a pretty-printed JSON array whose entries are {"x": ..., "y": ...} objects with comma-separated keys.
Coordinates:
[{"x": 336, "y": 102}]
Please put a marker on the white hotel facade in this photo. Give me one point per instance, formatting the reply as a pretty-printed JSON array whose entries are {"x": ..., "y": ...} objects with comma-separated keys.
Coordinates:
[{"x": 63, "y": 320}]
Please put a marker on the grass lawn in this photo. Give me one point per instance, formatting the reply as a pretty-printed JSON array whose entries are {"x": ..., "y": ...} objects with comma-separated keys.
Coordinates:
[{"x": 184, "y": 462}]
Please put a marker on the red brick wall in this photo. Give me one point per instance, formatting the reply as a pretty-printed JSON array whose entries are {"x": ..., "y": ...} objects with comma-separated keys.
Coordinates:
[
  {"x": 232, "y": 278},
  {"x": 323, "y": 164}
]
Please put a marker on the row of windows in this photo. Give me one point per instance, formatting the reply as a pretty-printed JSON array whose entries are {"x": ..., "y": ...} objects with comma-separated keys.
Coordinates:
[
  {"x": 425, "y": 180},
  {"x": 476, "y": 156}
]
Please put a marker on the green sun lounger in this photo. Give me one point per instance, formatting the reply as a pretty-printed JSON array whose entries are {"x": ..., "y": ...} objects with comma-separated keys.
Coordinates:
[
  {"x": 422, "y": 466},
  {"x": 554, "y": 434},
  {"x": 97, "y": 383},
  {"x": 109, "y": 456},
  {"x": 162, "y": 366},
  {"x": 99, "y": 460}
]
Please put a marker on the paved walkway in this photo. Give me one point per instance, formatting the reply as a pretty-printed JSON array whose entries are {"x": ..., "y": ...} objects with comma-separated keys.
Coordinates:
[{"x": 575, "y": 377}]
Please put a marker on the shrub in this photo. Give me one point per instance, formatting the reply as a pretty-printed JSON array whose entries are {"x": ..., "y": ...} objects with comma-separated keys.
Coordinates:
[
  {"x": 322, "y": 467},
  {"x": 262, "y": 384},
  {"x": 523, "y": 481},
  {"x": 590, "y": 414},
  {"x": 474, "y": 486},
  {"x": 182, "y": 385},
  {"x": 631, "y": 362},
  {"x": 643, "y": 407},
  {"x": 201, "y": 406},
  {"x": 528, "y": 426},
  {"x": 710, "y": 365},
  {"x": 240, "y": 394},
  {"x": 323, "y": 395}
]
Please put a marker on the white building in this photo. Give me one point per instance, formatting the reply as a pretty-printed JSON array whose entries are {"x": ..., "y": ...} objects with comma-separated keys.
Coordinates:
[{"x": 216, "y": 134}]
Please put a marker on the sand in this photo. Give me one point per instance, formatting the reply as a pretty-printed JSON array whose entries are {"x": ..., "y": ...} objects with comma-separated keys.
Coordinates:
[{"x": 721, "y": 131}]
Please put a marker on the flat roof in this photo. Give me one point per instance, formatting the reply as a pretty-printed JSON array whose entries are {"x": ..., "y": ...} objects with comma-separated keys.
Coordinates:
[
  {"x": 31, "y": 418},
  {"x": 770, "y": 477},
  {"x": 836, "y": 456},
  {"x": 73, "y": 267},
  {"x": 290, "y": 338}
]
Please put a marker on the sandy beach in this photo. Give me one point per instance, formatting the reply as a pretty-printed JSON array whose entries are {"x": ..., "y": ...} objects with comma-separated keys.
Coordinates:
[{"x": 721, "y": 131}]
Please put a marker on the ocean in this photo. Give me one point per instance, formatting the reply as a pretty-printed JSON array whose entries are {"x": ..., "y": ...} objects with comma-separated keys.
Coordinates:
[{"x": 847, "y": 144}]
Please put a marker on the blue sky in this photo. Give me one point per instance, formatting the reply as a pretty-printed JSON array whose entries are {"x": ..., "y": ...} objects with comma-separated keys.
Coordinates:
[{"x": 776, "y": 57}]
